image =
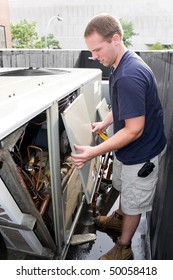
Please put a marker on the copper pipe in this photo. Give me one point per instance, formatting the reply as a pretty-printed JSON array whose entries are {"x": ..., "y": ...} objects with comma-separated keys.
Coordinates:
[
  {"x": 44, "y": 204},
  {"x": 41, "y": 159}
]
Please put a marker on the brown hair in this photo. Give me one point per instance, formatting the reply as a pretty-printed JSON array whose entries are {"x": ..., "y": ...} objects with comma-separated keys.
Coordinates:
[{"x": 105, "y": 25}]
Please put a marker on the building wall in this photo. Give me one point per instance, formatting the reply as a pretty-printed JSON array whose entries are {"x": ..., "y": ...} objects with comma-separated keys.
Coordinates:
[
  {"x": 152, "y": 20},
  {"x": 5, "y": 22}
]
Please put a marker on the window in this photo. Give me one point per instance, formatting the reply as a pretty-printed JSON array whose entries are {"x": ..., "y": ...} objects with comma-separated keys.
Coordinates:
[{"x": 2, "y": 37}]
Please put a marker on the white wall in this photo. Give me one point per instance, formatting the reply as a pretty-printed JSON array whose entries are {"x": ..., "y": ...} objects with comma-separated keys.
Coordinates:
[{"x": 152, "y": 19}]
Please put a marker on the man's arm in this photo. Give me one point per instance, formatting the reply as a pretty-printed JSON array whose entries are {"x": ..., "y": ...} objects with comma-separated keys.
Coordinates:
[{"x": 133, "y": 130}]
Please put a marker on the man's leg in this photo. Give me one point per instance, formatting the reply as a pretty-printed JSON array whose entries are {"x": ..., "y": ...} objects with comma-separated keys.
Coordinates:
[
  {"x": 137, "y": 195},
  {"x": 122, "y": 249},
  {"x": 130, "y": 224}
]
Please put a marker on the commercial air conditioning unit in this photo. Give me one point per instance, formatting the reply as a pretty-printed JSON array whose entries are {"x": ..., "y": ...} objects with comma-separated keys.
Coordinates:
[{"x": 43, "y": 112}]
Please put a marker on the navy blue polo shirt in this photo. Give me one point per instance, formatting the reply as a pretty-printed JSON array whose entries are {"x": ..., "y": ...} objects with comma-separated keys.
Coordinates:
[{"x": 133, "y": 93}]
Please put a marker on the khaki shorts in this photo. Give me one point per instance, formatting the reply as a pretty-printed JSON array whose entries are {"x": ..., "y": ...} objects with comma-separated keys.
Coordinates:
[{"x": 137, "y": 193}]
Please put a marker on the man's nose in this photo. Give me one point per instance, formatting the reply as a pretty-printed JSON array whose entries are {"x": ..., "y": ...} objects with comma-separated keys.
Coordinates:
[{"x": 94, "y": 56}]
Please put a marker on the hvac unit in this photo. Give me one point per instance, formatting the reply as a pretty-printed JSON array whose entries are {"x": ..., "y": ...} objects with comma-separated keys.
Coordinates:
[{"x": 43, "y": 112}]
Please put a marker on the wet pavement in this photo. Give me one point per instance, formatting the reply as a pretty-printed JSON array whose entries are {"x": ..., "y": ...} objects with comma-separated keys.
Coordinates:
[{"x": 107, "y": 202}]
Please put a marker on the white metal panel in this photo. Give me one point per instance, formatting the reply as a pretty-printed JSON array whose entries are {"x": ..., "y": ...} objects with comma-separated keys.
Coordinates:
[
  {"x": 23, "y": 97},
  {"x": 78, "y": 126},
  {"x": 92, "y": 94},
  {"x": 10, "y": 213},
  {"x": 103, "y": 110}
]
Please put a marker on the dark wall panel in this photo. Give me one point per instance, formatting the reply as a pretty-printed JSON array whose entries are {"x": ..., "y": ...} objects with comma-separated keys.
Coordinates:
[{"x": 161, "y": 221}]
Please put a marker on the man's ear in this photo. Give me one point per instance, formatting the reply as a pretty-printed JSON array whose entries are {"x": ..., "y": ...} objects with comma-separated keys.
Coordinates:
[{"x": 116, "y": 39}]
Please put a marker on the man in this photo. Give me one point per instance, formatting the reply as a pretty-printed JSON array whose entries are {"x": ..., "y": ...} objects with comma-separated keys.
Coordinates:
[{"x": 138, "y": 139}]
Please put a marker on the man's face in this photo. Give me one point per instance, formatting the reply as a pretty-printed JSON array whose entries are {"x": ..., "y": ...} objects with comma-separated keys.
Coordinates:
[{"x": 101, "y": 49}]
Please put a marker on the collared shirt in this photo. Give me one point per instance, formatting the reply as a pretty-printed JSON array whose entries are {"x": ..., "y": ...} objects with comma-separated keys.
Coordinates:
[{"x": 133, "y": 93}]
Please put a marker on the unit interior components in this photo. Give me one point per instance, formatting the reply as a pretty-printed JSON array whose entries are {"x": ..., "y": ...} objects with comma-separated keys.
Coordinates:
[
  {"x": 28, "y": 150},
  {"x": 22, "y": 226},
  {"x": 30, "y": 153}
]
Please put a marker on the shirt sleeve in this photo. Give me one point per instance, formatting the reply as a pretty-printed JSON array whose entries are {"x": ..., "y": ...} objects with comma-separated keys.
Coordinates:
[{"x": 131, "y": 97}]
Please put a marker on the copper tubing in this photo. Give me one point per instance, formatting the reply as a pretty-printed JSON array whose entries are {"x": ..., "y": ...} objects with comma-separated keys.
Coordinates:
[
  {"x": 44, "y": 204},
  {"x": 31, "y": 159}
]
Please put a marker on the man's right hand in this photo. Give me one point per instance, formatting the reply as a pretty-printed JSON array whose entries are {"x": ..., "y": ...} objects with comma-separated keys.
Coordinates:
[{"x": 98, "y": 127}]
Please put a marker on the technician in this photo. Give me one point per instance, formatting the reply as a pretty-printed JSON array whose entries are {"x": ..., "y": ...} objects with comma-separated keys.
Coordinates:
[{"x": 138, "y": 140}]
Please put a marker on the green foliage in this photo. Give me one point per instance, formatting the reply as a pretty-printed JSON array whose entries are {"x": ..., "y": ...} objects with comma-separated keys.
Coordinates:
[
  {"x": 51, "y": 42},
  {"x": 24, "y": 36},
  {"x": 128, "y": 32},
  {"x": 159, "y": 46}
]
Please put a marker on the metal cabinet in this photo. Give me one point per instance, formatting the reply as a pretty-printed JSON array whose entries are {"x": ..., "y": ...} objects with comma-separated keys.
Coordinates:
[{"x": 42, "y": 193}]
